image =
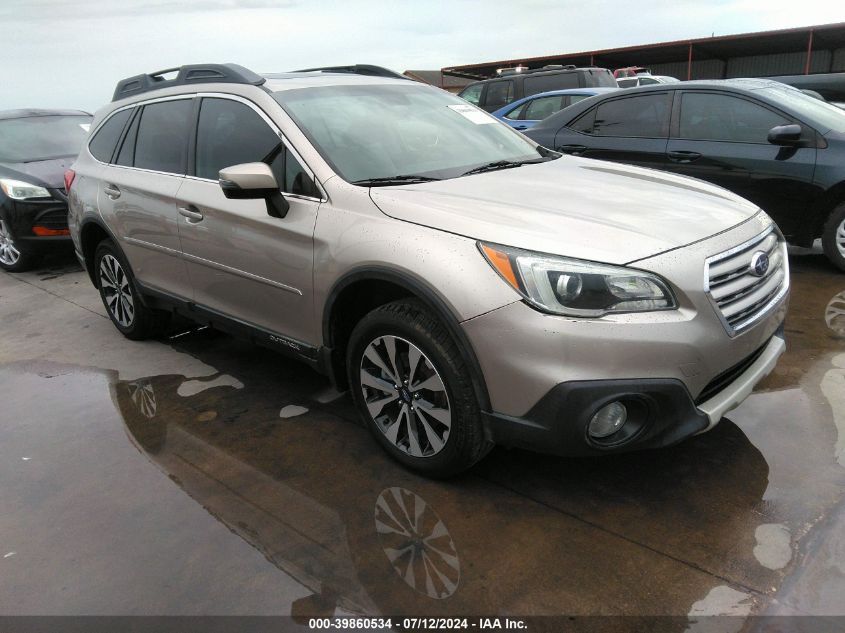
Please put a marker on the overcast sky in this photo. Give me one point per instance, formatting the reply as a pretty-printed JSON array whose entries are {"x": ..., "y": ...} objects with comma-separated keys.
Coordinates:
[{"x": 59, "y": 53}]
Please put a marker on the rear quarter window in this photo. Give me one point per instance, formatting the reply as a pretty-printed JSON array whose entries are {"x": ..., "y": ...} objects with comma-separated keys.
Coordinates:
[{"x": 105, "y": 139}]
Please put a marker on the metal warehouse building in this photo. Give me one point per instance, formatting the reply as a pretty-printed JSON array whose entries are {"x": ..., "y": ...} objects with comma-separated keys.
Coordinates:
[{"x": 805, "y": 50}]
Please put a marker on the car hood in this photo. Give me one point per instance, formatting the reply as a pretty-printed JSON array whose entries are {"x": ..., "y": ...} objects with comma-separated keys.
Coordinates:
[
  {"x": 571, "y": 206},
  {"x": 48, "y": 173}
]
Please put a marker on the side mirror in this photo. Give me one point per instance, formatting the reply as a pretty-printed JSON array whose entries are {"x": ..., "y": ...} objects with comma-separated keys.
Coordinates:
[
  {"x": 785, "y": 134},
  {"x": 251, "y": 181}
]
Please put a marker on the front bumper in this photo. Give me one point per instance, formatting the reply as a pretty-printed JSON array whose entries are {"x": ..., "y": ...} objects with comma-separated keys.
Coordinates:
[
  {"x": 661, "y": 412},
  {"x": 681, "y": 369},
  {"x": 38, "y": 224}
]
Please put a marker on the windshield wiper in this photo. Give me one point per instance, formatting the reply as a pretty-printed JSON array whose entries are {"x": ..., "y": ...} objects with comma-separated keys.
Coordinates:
[
  {"x": 501, "y": 164},
  {"x": 386, "y": 181}
]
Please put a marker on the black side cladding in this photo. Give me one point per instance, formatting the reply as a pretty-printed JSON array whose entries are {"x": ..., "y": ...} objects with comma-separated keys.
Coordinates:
[{"x": 190, "y": 74}]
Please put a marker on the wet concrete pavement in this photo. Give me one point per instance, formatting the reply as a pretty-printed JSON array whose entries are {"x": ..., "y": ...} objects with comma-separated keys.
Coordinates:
[{"x": 201, "y": 475}]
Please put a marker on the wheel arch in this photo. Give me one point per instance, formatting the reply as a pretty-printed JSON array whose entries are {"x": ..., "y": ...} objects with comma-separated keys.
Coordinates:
[
  {"x": 364, "y": 289},
  {"x": 91, "y": 233}
]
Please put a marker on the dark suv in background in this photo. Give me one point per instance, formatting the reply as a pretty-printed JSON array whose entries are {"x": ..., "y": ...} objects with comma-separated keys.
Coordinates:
[
  {"x": 36, "y": 148},
  {"x": 492, "y": 94},
  {"x": 763, "y": 140}
]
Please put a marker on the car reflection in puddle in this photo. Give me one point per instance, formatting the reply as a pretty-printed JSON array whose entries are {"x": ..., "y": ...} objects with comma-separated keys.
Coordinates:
[{"x": 318, "y": 499}]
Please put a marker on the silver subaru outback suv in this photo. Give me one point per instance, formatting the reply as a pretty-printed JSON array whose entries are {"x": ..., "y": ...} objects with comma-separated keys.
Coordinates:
[{"x": 467, "y": 286}]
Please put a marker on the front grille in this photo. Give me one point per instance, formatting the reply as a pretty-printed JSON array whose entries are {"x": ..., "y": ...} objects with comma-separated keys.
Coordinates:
[
  {"x": 721, "y": 381},
  {"x": 52, "y": 219},
  {"x": 741, "y": 295}
]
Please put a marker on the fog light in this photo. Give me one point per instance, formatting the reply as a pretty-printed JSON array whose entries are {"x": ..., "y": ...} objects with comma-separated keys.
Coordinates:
[{"x": 608, "y": 420}]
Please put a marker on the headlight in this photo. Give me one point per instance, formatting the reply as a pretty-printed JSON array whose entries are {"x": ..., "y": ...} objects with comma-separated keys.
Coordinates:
[
  {"x": 20, "y": 190},
  {"x": 576, "y": 287}
]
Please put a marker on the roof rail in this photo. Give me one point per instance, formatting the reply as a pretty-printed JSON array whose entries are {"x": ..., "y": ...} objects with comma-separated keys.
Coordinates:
[
  {"x": 190, "y": 74},
  {"x": 357, "y": 69}
]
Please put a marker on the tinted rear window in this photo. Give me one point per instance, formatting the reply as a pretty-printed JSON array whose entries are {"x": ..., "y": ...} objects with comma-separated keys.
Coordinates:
[
  {"x": 163, "y": 136},
  {"x": 42, "y": 137},
  {"x": 641, "y": 116}
]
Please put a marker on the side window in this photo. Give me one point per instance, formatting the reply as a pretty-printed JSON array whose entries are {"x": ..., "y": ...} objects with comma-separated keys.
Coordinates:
[
  {"x": 126, "y": 156},
  {"x": 543, "y": 107},
  {"x": 472, "y": 93},
  {"x": 163, "y": 136},
  {"x": 104, "y": 141},
  {"x": 584, "y": 123},
  {"x": 647, "y": 81},
  {"x": 721, "y": 117},
  {"x": 516, "y": 113},
  {"x": 499, "y": 93},
  {"x": 627, "y": 83},
  {"x": 230, "y": 133},
  {"x": 554, "y": 81},
  {"x": 575, "y": 99},
  {"x": 644, "y": 116}
]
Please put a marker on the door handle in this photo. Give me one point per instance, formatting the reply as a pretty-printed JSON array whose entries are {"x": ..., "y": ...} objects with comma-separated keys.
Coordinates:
[
  {"x": 112, "y": 191},
  {"x": 683, "y": 157},
  {"x": 572, "y": 149},
  {"x": 191, "y": 214}
]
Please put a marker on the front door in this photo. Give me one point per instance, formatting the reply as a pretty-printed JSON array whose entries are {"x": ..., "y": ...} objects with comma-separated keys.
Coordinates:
[
  {"x": 244, "y": 263},
  {"x": 723, "y": 138}
]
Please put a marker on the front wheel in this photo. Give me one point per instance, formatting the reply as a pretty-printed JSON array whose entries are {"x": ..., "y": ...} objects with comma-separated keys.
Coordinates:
[
  {"x": 833, "y": 237},
  {"x": 413, "y": 389},
  {"x": 13, "y": 258},
  {"x": 121, "y": 298}
]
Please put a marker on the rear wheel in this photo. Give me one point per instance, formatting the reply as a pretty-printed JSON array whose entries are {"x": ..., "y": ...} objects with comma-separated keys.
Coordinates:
[
  {"x": 833, "y": 237},
  {"x": 412, "y": 388},
  {"x": 121, "y": 297},
  {"x": 13, "y": 257}
]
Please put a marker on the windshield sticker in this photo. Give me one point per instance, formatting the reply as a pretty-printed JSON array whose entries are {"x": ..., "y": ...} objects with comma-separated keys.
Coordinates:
[{"x": 473, "y": 114}]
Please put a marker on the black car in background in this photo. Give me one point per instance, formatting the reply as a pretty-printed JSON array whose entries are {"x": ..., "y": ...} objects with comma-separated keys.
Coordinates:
[
  {"x": 36, "y": 147},
  {"x": 763, "y": 140},
  {"x": 512, "y": 84}
]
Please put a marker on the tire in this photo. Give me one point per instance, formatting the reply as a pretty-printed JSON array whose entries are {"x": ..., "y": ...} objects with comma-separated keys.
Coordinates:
[
  {"x": 833, "y": 237},
  {"x": 124, "y": 306},
  {"x": 432, "y": 422},
  {"x": 13, "y": 257}
]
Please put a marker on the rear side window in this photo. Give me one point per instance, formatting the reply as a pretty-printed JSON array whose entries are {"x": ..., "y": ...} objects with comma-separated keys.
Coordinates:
[
  {"x": 104, "y": 141},
  {"x": 554, "y": 81},
  {"x": 721, "y": 117},
  {"x": 472, "y": 93},
  {"x": 542, "y": 107},
  {"x": 515, "y": 114},
  {"x": 645, "y": 116},
  {"x": 163, "y": 136},
  {"x": 499, "y": 93},
  {"x": 230, "y": 133}
]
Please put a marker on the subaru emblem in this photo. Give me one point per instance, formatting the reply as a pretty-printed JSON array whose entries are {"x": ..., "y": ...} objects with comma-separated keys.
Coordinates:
[{"x": 759, "y": 264}]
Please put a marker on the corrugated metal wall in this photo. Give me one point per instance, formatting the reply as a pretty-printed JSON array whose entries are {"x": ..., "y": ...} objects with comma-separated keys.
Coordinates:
[
  {"x": 756, "y": 65},
  {"x": 838, "y": 61}
]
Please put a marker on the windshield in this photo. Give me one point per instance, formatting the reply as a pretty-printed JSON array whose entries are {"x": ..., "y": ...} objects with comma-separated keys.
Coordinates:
[
  {"x": 821, "y": 115},
  {"x": 42, "y": 137},
  {"x": 382, "y": 131}
]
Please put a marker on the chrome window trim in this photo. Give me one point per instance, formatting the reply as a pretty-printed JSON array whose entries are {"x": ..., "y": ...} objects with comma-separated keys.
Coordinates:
[{"x": 735, "y": 330}]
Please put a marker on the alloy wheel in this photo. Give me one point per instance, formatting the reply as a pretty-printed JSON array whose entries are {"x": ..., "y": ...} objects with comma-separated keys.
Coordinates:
[
  {"x": 839, "y": 238},
  {"x": 405, "y": 396},
  {"x": 116, "y": 290},
  {"x": 9, "y": 253}
]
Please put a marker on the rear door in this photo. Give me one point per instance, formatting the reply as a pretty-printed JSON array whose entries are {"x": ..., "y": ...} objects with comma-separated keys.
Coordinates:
[
  {"x": 138, "y": 192},
  {"x": 630, "y": 129},
  {"x": 243, "y": 263},
  {"x": 723, "y": 138}
]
